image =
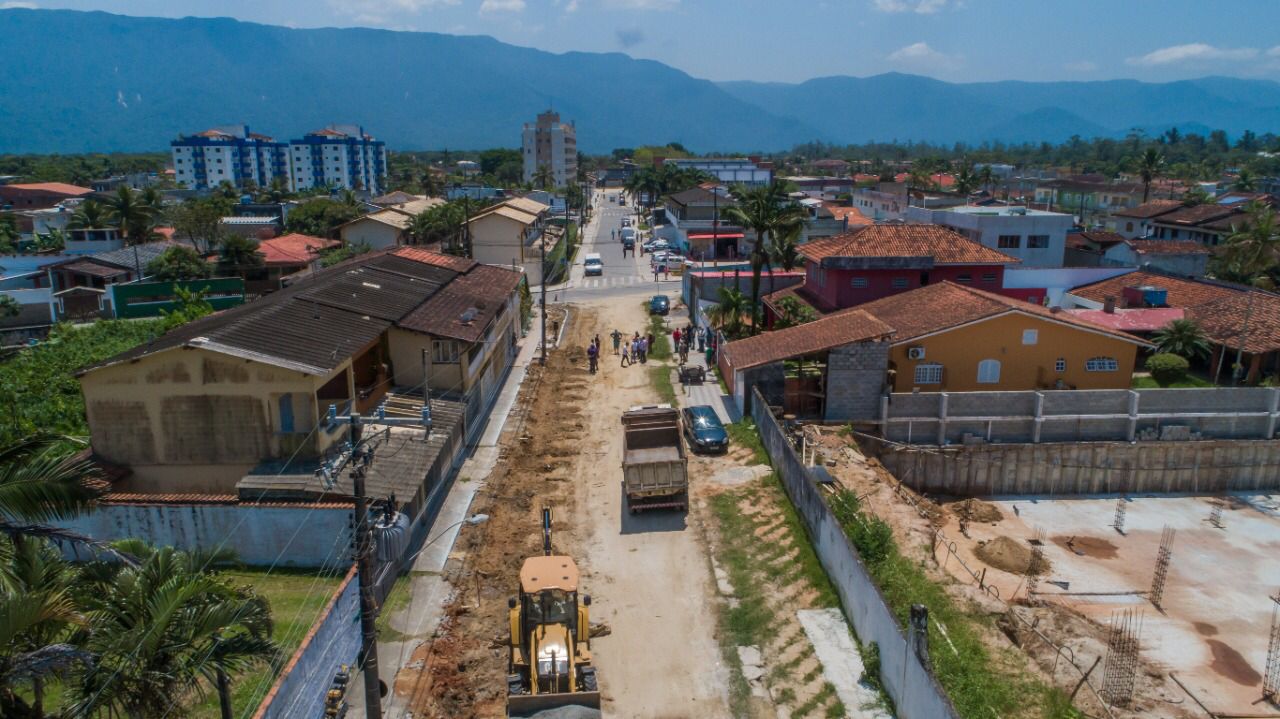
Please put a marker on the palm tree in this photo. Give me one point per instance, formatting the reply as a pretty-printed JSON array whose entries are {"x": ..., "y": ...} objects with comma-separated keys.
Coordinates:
[
  {"x": 987, "y": 177},
  {"x": 1253, "y": 248},
  {"x": 1244, "y": 181},
  {"x": 770, "y": 214},
  {"x": 728, "y": 312},
  {"x": 1183, "y": 338},
  {"x": 237, "y": 255},
  {"x": 90, "y": 215},
  {"x": 40, "y": 485},
  {"x": 543, "y": 178},
  {"x": 1150, "y": 165},
  {"x": 37, "y": 614},
  {"x": 162, "y": 631},
  {"x": 966, "y": 180},
  {"x": 131, "y": 215},
  {"x": 9, "y": 236},
  {"x": 784, "y": 253},
  {"x": 153, "y": 201}
]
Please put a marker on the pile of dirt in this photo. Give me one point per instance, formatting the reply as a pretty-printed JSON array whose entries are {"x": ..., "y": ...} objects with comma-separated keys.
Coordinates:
[
  {"x": 1010, "y": 555},
  {"x": 976, "y": 510}
]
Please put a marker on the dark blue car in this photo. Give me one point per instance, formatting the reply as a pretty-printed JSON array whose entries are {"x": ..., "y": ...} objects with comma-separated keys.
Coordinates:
[
  {"x": 659, "y": 305},
  {"x": 703, "y": 429}
]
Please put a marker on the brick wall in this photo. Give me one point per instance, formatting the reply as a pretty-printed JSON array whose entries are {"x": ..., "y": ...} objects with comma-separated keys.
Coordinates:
[{"x": 856, "y": 380}]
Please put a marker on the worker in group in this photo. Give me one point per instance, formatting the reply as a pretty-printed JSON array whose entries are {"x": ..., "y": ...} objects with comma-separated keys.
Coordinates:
[{"x": 616, "y": 336}]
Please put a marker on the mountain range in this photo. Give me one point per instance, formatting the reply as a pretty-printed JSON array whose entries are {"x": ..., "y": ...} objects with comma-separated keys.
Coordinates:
[{"x": 93, "y": 81}]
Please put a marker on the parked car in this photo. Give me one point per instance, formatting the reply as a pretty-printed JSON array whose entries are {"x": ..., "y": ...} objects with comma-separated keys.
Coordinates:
[
  {"x": 659, "y": 305},
  {"x": 626, "y": 222},
  {"x": 704, "y": 430}
]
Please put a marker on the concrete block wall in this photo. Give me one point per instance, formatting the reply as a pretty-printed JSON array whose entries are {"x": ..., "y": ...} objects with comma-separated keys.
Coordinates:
[{"x": 855, "y": 381}]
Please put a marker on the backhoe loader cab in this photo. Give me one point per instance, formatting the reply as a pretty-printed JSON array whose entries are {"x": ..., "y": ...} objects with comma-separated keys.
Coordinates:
[{"x": 549, "y": 662}]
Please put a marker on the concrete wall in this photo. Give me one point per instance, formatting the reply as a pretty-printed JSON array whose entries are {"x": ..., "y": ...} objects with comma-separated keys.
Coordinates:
[
  {"x": 856, "y": 381},
  {"x": 333, "y": 640},
  {"x": 259, "y": 534},
  {"x": 1208, "y": 467},
  {"x": 915, "y": 692},
  {"x": 1081, "y": 415}
]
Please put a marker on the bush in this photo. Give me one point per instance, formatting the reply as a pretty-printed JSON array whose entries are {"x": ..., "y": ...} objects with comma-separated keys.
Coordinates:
[{"x": 1167, "y": 368}]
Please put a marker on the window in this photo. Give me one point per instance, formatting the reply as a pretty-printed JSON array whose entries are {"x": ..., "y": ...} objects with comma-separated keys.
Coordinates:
[
  {"x": 929, "y": 374},
  {"x": 1037, "y": 242},
  {"x": 899, "y": 282},
  {"x": 989, "y": 371},
  {"x": 444, "y": 351},
  {"x": 964, "y": 279},
  {"x": 1128, "y": 227},
  {"x": 1060, "y": 365},
  {"x": 1009, "y": 242},
  {"x": 286, "y": 413},
  {"x": 858, "y": 282},
  {"x": 988, "y": 277},
  {"x": 1030, "y": 337},
  {"x": 1101, "y": 364}
]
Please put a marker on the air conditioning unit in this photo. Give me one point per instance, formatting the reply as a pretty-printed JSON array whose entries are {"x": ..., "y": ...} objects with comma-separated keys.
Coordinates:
[{"x": 915, "y": 353}]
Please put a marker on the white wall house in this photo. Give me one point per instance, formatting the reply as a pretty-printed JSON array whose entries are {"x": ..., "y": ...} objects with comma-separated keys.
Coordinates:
[
  {"x": 1036, "y": 237},
  {"x": 339, "y": 156},
  {"x": 553, "y": 144},
  {"x": 228, "y": 154}
]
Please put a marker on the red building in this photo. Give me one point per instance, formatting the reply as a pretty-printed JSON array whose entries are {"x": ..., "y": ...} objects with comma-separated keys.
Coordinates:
[{"x": 876, "y": 261}]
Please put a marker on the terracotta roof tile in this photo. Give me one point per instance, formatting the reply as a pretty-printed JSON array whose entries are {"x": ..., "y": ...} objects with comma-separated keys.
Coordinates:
[
  {"x": 1105, "y": 239},
  {"x": 449, "y": 262},
  {"x": 945, "y": 246},
  {"x": 463, "y": 308},
  {"x": 1224, "y": 321},
  {"x": 293, "y": 249},
  {"x": 851, "y": 215},
  {"x": 946, "y": 305},
  {"x": 1151, "y": 209},
  {"x": 55, "y": 187},
  {"x": 1168, "y": 247},
  {"x": 1182, "y": 293},
  {"x": 833, "y": 331},
  {"x": 1197, "y": 214}
]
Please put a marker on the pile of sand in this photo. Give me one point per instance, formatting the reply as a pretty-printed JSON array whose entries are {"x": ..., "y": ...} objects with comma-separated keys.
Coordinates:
[
  {"x": 976, "y": 510},
  {"x": 1010, "y": 555}
]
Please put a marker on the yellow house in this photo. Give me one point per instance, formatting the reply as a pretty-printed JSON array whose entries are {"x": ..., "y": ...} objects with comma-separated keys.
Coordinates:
[
  {"x": 511, "y": 233},
  {"x": 953, "y": 338},
  {"x": 199, "y": 407}
]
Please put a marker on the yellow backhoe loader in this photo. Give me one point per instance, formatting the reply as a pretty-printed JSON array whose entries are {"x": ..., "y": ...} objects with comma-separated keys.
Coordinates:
[{"x": 549, "y": 662}]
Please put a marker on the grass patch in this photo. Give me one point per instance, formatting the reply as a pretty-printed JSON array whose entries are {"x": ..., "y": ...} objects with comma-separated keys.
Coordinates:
[
  {"x": 397, "y": 599},
  {"x": 744, "y": 432},
  {"x": 1149, "y": 382},
  {"x": 661, "y": 349},
  {"x": 660, "y": 378},
  {"x": 979, "y": 681}
]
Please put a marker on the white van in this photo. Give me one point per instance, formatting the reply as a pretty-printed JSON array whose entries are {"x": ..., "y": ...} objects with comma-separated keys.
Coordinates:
[{"x": 592, "y": 264}]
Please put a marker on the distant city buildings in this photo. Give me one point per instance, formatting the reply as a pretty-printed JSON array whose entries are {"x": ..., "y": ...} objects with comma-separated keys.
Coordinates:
[
  {"x": 750, "y": 171},
  {"x": 1036, "y": 237},
  {"x": 552, "y": 144},
  {"x": 338, "y": 156}
]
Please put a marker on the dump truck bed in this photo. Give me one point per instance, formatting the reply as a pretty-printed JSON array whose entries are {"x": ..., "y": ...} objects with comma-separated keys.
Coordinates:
[{"x": 654, "y": 467}]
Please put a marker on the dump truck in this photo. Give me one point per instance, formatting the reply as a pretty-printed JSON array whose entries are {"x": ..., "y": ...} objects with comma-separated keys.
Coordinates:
[
  {"x": 549, "y": 670},
  {"x": 655, "y": 472}
]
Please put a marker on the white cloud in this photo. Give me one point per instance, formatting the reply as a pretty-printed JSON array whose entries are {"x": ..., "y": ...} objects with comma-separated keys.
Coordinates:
[
  {"x": 496, "y": 6},
  {"x": 1197, "y": 52},
  {"x": 384, "y": 12},
  {"x": 920, "y": 7},
  {"x": 920, "y": 54},
  {"x": 18, "y": 4}
]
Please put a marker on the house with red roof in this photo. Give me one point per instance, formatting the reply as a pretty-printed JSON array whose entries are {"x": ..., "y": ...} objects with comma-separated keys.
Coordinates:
[
  {"x": 875, "y": 261},
  {"x": 39, "y": 195}
]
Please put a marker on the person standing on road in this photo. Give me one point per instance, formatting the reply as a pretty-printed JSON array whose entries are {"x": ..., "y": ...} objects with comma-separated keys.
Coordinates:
[
  {"x": 616, "y": 336},
  {"x": 675, "y": 336},
  {"x": 702, "y": 339},
  {"x": 592, "y": 357}
]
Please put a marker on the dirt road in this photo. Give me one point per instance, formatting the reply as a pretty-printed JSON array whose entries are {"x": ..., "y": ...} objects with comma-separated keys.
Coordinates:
[{"x": 649, "y": 576}]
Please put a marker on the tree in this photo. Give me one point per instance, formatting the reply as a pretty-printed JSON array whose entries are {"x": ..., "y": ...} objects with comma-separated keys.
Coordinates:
[
  {"x": 987, "y": 177},
  {"x": 329, "y": 258},
  {"x": 161, "y": 631},
  {"x": 40, "y": 484},
  {"x": 1150, "y": 165},
  {"x": 792, "y": 312},
  {"x": 729, "y": 310},
  {"x": 9, "y": 236},
  {"x": 9, "y": 307},
  {"x": 199, "y": 222},
  {"x": 178, "y": 262},
  {"x": 237, "y": 256},
  {"x": 320, "y": 217},
  {"x": 1245, "y": 181},
  {"x": 1253, "y": 248},
  {"x": 543, "y": 178},
  {"x": 768, "y": 212},
  {"x": 1195, "y": 195},
  {"x": 90, "y": 215},
  {"x": 131, "y": 215},
  {"x": 966, "y": 180},
  {"x": 54, "y": 240},
  {"x": 1184, "y": 338},
  {"x": 784, "y": 252}
]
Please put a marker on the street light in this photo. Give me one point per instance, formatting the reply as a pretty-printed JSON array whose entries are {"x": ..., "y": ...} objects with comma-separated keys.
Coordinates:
[{"x": 470, "y": 521}]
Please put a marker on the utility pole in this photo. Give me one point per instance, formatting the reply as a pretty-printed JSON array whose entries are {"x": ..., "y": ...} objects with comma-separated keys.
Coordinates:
[
  {"x": 542, "y": 358},
  {"x": 359, "y": 457}
]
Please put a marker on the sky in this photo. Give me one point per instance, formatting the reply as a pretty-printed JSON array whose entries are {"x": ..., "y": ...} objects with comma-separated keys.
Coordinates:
[{"x": 795, "y": 40}]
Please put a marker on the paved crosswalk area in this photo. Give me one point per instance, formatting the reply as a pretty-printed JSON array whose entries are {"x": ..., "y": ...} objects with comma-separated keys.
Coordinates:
[{"x": 596, "y": 283}]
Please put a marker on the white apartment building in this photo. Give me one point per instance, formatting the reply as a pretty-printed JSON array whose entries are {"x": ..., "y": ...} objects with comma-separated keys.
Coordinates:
[
  {"x": 1036, "y": 237},
  {"x": 228, "y": 154},
  {"x": 550, "y": 143},
  {"x": 750, "y": 171},
  {"x": 340, "y": 157}
]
